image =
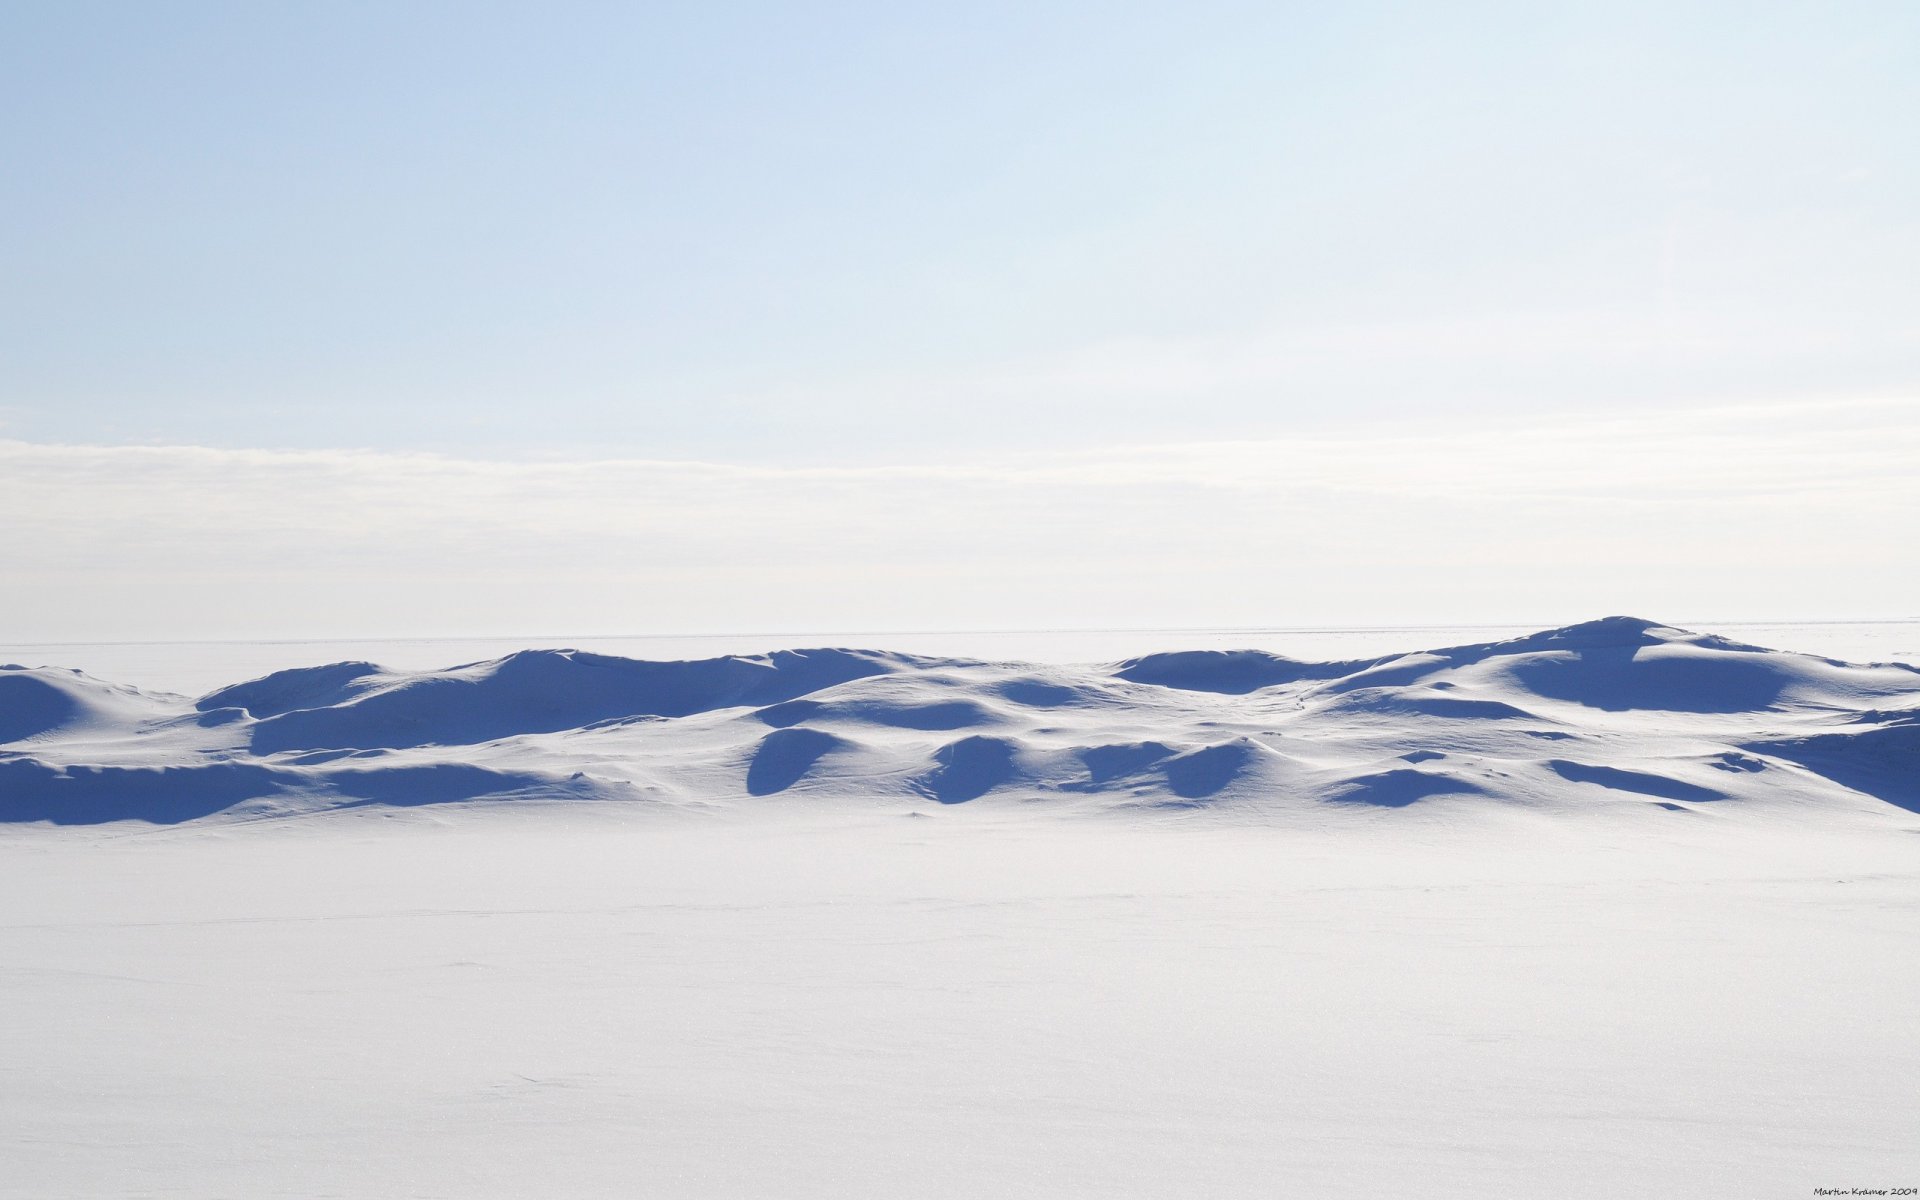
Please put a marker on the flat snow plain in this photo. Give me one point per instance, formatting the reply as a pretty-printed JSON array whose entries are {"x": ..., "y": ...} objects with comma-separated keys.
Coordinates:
[{"x": 1602, "y": 911}]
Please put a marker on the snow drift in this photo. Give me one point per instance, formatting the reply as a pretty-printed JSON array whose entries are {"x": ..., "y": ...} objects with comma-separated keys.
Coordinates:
[{"x": 1619, "y": 711}]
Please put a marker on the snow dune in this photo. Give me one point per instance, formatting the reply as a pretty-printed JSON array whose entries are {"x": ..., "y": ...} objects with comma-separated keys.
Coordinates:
[{"x": 1620, "y": 712}]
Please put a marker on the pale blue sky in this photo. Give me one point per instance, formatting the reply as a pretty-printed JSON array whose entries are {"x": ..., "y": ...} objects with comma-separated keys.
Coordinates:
[
  {"x": 789, "y": 234},
  {"x": 415, "y": 319}
]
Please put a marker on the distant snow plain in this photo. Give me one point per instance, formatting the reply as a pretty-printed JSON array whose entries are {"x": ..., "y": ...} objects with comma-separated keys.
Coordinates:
[{"x": 1614, "y": 909}]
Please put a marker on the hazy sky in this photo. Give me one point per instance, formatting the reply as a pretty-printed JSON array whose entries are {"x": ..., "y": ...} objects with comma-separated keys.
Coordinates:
[{"x": 855, "y": 253}]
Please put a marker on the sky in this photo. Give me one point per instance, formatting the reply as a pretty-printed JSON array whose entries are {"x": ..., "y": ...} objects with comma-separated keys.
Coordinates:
[{"x": 400, "y": 319}]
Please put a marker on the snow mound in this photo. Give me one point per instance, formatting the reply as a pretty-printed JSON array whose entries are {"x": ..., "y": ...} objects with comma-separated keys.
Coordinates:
[
  {"x": 542, "y": 691},
  {"x": 1619, "y": 716},
  {"x": 1228, "y": 672},
  {"x": 41, "y": 702},
  {"x": 968, "y": 769},
  {"x": 301, "y": 687},
  {"x": 1625, "y": 664},
  {"x": 786, "y": 756}
]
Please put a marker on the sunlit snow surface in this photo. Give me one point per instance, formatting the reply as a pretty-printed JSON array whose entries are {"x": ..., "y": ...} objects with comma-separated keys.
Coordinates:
[{"x": 1605, "y": 910}]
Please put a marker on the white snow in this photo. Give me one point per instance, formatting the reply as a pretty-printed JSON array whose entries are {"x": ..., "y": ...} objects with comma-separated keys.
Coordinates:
[{"x": 1609, "y": 910}]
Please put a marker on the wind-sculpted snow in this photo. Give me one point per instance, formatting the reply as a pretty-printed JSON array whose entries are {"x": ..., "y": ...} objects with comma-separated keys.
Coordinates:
[
  {"x": 299, "y": 688},
  {"x": 1650, "y": 720},
  {"x": 1230, "y": 672},
  {"x": 52, "y": 704},
  {"x": 785, "y": 756},
  {"x": 545, "y": 691},
  {"x": 1876, "y": 753},
  {"x": 31, "y": 790}
]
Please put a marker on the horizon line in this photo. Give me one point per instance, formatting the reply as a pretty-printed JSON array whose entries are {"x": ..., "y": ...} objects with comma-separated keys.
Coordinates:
[{"x": 1001, "y": 632}]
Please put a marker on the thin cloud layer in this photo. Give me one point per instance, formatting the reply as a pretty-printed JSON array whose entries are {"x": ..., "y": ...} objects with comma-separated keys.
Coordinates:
[{"x": 1729, "y": 512}]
